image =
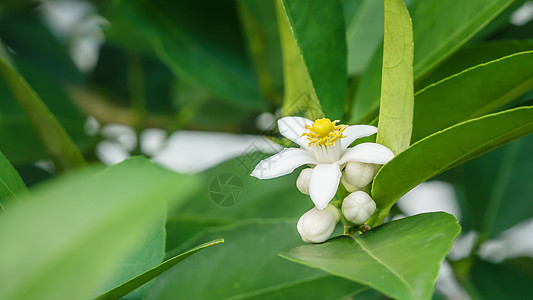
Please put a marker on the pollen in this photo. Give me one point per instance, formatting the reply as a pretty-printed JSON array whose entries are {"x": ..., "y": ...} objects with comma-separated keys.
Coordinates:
[{"x": 324, "y": 132}]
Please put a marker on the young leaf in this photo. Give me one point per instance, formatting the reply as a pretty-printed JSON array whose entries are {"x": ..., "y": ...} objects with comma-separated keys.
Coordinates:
[
  {"x": 249, "y": 262},
  {"x": 396, "y": 110},
  {"x": 438, "y": 152},
  {"x": 321, "y": 41},
  {"x": 145, "y": 277},
  {"x": 58, "y": 144},
  {"x": 472, "y": 93},
  {"x": 82, "y": 226},
  {"x": 11, "y": 185},
  {"x": 400, "y": 259}
]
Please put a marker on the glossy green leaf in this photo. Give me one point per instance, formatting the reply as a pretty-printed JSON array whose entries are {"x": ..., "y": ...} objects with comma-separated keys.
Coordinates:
[
  {"x": 145, "y": 277},
  {"x": 321, "y": 41},
  {"x": 83, "y": 225},
  {"x": 510, "y": 279},
  {"x": 58, "y": 144},
  {"x": 245, "y": 266},
  {"x": 438, "y": 152},
  {"x": 299, "y": 96},
  {"x": 396, "y": 109},
  {"x": 461, "y": 97},
  {"x": 505, "y": 200},
  {"x": 437, "y": 35},
  {"x": 472, "y": 55},
  {"x": 11, "y": 185},
  {"x": 400, "y": 259}
]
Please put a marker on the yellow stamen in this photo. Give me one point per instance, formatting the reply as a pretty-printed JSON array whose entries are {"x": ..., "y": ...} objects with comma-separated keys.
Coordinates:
[{"x": 324, "y": 132}]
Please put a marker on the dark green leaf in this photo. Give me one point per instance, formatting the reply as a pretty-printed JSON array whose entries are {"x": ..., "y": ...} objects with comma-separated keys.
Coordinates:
[
  {"x": 81, "y": 226},
  {"x": 400, "y": 259},
  {"x": 438, "y": 152},
  {"x": 145, "y": 277},
  {"x": 472, "y": 93},
  {"x": 321, "y": 41},
  {"x": 58, "y": 144},
  {"x": 245, "y": 266},
  {"x": 11, "y": 185},
  {"x": 396, "y": 109}
]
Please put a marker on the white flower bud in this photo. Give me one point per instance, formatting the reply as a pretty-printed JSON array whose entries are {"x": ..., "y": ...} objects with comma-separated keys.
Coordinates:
[
  {"x": 357, "y": 175},
  {"x": 316, "y": 226},
  {"x": 358, "y": 207},
  {"x": 302, "y": 183}
]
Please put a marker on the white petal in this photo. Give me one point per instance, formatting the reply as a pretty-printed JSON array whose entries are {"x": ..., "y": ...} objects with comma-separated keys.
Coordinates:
[
  {"x": 368, "y": 153},
  {"x": 293, "y": 127},
  {"x": 324, "y": 183},
  {"x": 354, "y": 132},
  {"x": 283, "y": 163}
]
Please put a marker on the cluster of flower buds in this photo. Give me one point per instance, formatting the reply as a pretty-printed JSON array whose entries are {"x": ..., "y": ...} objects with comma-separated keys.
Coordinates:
[{"x": 316, "y": 226}]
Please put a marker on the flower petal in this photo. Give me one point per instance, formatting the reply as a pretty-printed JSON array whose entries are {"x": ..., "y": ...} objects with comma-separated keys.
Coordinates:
[
  {"x": 371, "y": 153},
  {"x": 324, "y": 183},
  {"x": 354, "y": 132},
  {"x": 293, "y": 127},
  {"x": 283, "y": 163}
]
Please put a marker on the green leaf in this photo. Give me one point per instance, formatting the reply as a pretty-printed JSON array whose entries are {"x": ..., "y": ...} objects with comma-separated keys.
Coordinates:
[
  {"x": 396, "y": 110},
  {"x": 258, "y": 19},
  {"x": 505, "y": 200},
  {"x": 58, "y": 144},
  {"x": 321, "y": 41},
  {"x": 145, "y": 277},
  {"x": 245, "y": 266},
  {"x": 11, "y": 185},
  {"x": 472, "y": 55},
  {"x": 510, "y": 279},
  {"x": 202, "y": 46},
  {"x": 82, "y": 225},
  {"x": 442, "y": 150},
  {"x": 400, "y": 259},
  {"x": 437, "y": 35},
  {"x": 461, "y": 97}
]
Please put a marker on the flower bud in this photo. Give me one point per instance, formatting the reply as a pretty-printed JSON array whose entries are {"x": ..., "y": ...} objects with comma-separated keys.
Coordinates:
[
  {"x": 357, "y": 175},
  {"x": 358, "y": 207},
  {"x": 302, "y": 183},
  {"x": 316, "y": 226}
]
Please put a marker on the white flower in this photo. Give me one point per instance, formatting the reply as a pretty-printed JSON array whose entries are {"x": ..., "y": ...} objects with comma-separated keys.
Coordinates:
[
  {"x": 357, "y": 175},
  {"x": 302, "y": 183},
  {"x": 324, "y": 145},
  {"x": 316, "y": 226},
  {"x": 358, "y": 207}
]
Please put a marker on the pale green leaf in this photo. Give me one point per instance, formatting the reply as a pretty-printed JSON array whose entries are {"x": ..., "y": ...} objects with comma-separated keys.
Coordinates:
[
  {"x": 400, "y": 259},
  {"x": 67, "y": 238},
  {"x": 396, "y": 110}
]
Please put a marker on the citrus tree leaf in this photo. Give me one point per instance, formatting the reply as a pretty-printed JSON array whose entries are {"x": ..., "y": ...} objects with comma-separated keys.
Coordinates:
[
  {"x": 396, "y": 110},
  {"x": 82, "y": 225},
  {"x": 11, "y": 185},
  {"x": 440, "y": 29},
  {"x": 461, "y": 97},
  {"x": 145, "y": 277},
  {"x": 249, "y": 264},
  {"x": 321, "y": 41},
  {"x": 58, "y": 144},
  {"x": 438, "y": 152},
  {"x": 401, "y": 258}
]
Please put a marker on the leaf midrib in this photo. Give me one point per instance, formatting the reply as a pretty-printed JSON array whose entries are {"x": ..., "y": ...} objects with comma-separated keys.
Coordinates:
[{"x": 396, "y": 274}]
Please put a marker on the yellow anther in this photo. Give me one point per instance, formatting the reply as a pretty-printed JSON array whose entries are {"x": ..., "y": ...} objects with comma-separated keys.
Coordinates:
[{"x": 324, "y": 132}]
